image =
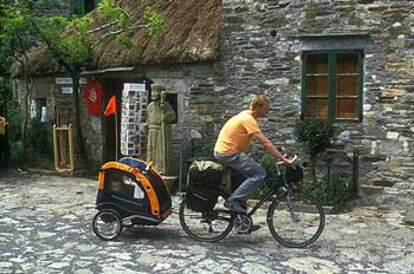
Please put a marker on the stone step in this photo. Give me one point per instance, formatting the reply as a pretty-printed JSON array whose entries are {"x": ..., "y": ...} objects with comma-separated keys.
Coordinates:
[
  {"x": 368, "y": 190},
  {"x": 409, "y": 217},
  {"x": 386, "y": 179},
  {"x": 383, "y": 182}
]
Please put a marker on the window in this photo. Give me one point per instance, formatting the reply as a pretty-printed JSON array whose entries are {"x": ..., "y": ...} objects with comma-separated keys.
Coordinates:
[
  {"x": 38, "y": 109},
  {"x": 89, "y": 5},
  {"x": 82, "y": 7},
  {"x": 332, "y": 85}
]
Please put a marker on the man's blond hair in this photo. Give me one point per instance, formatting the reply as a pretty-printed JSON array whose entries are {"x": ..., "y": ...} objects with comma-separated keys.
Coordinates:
[{"x": 258, "y": 100}]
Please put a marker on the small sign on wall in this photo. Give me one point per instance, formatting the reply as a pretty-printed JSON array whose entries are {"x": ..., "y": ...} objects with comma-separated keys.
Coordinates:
[
  {"x": 68, "y": 90},
  {"x": 134, "y": 87},
  {"x": 68, "y": 81}
]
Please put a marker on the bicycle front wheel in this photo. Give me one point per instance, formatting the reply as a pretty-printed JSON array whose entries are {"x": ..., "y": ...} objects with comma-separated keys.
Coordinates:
[
  {"x": 296, "y": 221},
  {"x": 210, "y": 226}
]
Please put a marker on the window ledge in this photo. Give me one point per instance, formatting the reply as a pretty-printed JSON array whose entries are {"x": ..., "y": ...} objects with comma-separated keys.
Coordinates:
[{"x": 332, "y": 35}]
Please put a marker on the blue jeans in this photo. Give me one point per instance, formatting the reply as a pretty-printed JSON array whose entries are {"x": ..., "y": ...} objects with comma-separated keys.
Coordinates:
[{"x": 254, "y": 173}]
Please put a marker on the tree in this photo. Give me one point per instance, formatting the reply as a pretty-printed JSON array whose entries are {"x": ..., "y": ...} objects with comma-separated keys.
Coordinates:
[
  {"x": 316, "y": 134},
  {"x": 80, "y": 45},
  {"x": 15, "y": 41}
]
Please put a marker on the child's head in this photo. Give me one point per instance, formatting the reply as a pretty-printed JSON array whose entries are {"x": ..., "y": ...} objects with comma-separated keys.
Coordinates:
[{"x": 116, "y": 185}]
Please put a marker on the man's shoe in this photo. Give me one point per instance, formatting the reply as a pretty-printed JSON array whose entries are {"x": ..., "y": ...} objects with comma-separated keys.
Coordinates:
[
  {"x": 255, "y": 227},
  {"x": 235, "y": 206}
]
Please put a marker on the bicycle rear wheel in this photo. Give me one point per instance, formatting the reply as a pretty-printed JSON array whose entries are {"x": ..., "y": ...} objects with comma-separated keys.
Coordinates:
[
  {"x": 297, "y": 221},
  {"x": 210, "y": 226}
]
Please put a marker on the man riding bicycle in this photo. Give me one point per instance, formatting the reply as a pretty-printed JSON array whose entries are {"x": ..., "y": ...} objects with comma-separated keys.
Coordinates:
[{"x": 233, "y": 142}]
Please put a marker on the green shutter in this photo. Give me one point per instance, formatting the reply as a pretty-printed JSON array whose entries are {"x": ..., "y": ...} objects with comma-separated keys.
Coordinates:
[
  {"x": 83, "y": 7},
  {"x": 304, "y": 58},
  {"x": 75, "y": 7},
  {"x": 71, "y": 7},
  {"x": 361, "y": 84},
  {"x": 339, "y": 105}
]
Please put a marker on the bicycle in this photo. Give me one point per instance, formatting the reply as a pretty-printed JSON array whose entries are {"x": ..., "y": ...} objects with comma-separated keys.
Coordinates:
[{"x": 288, "y": 206}]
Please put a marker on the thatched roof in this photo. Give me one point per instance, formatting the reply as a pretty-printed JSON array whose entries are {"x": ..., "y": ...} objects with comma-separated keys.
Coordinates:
[{"x": 192, "y": 34}]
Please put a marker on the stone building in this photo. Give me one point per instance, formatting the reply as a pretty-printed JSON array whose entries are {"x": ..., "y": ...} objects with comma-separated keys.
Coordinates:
[{"x": 348, "y": 61}]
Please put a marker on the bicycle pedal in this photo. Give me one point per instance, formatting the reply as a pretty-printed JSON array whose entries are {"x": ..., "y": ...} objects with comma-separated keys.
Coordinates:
[{"x": 254, "y": 228}]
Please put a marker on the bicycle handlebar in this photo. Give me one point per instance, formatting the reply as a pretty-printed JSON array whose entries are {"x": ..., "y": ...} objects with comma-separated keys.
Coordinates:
[{"x": 293, "y": 160}]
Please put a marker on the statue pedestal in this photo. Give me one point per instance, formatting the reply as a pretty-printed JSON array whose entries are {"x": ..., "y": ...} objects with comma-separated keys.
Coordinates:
[{"x": 171, "y": 182}]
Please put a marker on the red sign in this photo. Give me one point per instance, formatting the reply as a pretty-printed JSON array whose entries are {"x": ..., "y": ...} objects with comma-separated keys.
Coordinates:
[{"x": 92, "y": 92}]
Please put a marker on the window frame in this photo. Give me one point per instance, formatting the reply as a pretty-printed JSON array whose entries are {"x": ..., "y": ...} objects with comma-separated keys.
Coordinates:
[
  {"x": 82, "y": 9},
  {"x": 95, "y": 4},
  {"x": 331, "y": 104}
]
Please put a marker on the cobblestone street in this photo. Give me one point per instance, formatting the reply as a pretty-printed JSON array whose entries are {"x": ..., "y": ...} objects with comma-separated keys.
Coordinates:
[{"x": 45, "y": 227}]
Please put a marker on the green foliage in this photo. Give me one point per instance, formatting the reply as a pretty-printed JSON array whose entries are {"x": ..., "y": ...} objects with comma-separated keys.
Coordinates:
[
  {"x": 111, "y": 12},
  {"x": 39, "y": 138},
  {"x": 125, "y": 41},
  {"x": 203, "y": 149},
  {"x": 14, "y": 121},
  {"x": 73, "y": 42},
  {"x": 155, "y": 22},
  {"x": 80, "y": 43},
  {"x": 15, "y": 30},
  {"x": 333, "y": 192},
  {"x": 18, "y": 157},
  {"x": 269, "y": 164},
  {"x": 315, "y": 134},
  {"x": 39, "y": 151}
]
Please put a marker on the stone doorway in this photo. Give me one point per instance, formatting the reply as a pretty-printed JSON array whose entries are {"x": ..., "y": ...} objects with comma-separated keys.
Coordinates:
[{"x": 112, "y": 87}]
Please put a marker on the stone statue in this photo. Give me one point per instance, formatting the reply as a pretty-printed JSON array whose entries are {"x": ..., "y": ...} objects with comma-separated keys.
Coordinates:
[{"x": 160, "y": 117}]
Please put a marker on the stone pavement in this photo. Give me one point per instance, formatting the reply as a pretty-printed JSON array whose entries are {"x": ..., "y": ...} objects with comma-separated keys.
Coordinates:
[{"x": 45, "y": 227}]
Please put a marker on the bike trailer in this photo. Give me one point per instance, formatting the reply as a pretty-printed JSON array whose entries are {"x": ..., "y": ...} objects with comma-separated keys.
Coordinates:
[{"x": 134, "y": 190}]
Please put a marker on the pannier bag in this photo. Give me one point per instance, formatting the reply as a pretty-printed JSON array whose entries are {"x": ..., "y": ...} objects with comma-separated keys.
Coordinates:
[{"x": 203, "y": 185}]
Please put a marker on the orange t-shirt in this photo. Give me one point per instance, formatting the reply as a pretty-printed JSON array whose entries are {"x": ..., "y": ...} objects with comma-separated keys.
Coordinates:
[{"x": 236, "y": 134}]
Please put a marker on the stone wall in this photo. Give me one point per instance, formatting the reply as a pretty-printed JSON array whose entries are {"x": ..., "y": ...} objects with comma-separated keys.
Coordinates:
[
  {"x": 57, "y": 8},
  {"x": 261, "y": 52}
]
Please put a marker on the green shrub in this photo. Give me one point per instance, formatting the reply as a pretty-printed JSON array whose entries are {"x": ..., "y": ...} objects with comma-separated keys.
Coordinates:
[
  {"x": 333, "y": 192},
  {"x": 316, "y": 134},
  {"x": 39, "y": 138},
  {"x": 14, "y": 131},
  {"x": 269, "y": 164},
  {"x": 14, "y": 134},
  {"x": 18, "y": 157},
  {"x": 39, "y": 150},
  {"x": 203, "y": 149}
]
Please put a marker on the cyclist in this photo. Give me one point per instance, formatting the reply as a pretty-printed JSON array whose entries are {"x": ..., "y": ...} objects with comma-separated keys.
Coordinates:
[{"x": 231, "y": 146}]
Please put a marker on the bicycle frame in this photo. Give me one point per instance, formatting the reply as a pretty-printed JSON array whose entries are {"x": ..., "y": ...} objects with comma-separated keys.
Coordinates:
[{"x": 279, "y": 184}]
